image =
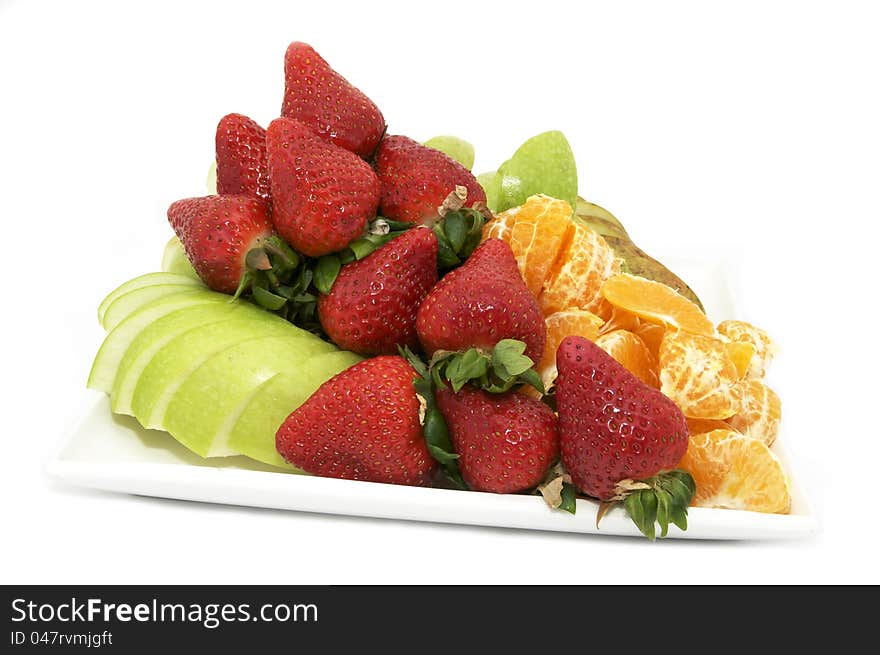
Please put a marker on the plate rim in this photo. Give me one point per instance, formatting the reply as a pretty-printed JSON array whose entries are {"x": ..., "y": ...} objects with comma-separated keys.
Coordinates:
[{"x": 248, "y": 488}]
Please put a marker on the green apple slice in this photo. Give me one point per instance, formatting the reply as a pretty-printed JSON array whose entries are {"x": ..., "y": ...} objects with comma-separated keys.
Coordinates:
[
  {"x": 153, "y": 338},
  {"x": 206, "y": 405},
  {"x": 130, "y": 302},
  {"x": 543, "y": 164},
  {"x": 491, "y": 184},
  {"x": 179, "y": 358},
  {"x": 117, "y": 341},
  {"x": 459, "y": 149},
  {"x": 150, "y": 279},
  {"x": 254, "y": 432},
  {"x": 175, "y": 261},
  {"x": 211, "y": 179}
]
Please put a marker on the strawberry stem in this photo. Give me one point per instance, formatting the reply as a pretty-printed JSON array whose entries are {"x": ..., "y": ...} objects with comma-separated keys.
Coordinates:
[
  {"x": 661, "y": 500},
  {"x": 458, "y": 233},
  {"x": 243, "y": 284},
  {"x": 496, "y": 371},
  {"x": 285, "y": 257},
  {"x": 434, "y": 427}
]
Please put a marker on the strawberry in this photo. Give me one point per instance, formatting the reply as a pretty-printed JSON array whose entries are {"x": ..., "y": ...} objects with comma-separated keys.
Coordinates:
[
  {"x": 326, "y": 103},
  {"x": 322, "y": 196},
  {"x": 372, "y": 305},
  {"x": 417, "y": 179},
  {"x": 620, "y": 438},
  {"x": 217, "y": 233},
  {"x": 506, "y": 442},
  {"x": 480, "y": 303},
  {"x": 362, "y": 424},
  {"x": 241, "y": 157}
]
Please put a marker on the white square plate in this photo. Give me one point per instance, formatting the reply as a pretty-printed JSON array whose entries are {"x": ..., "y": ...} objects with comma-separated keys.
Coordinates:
[{"x": 115, "y": 453}]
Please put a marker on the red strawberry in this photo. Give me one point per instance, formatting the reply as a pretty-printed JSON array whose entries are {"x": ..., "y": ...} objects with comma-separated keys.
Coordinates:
[
  {"x": 241, "y": 157},
  {"x": 612, "y": 426},
  {"x": 217, "y": 232},
  {"x": 506, "y": 442},
  {"x": 362, "y": 424},
  {"x": 322, "y": 196},
  {"x": 417, "y": 179},
  {"x": 371, "y": 308},
  {"x": 480, "y": 303},
  {"x": 326, "y": 103}
]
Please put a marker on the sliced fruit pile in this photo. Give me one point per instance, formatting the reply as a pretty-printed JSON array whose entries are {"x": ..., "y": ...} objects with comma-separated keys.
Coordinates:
[
  {"x": 356, "y": 304},
  {"x": 218, "y": 374}
]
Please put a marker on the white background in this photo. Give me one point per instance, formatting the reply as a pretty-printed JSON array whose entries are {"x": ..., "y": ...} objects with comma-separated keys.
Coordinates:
[{"x": 753, "y": 125}]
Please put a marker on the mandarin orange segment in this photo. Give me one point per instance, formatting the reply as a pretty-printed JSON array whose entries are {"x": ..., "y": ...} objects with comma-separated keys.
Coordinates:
[
  {"x": 560, "y": 325},
  {"x": 761, "y": 413},
  {"x": 741, "y": 353},
  {"x": 535, "y": 232},
  {"x": 734, "y": 471},
  {"x": 500, "y": 226},
  {"x": 584, "y": 262},
  {"x": 604, "y": 309},
  {"x": 657, "y": 303},
  {"x": 620, "y": 319},
  {"x": 742, "y": 332},
  {"x": 703, "y": 425},
  {"x": 697, "y": 373},
  {"x": 628, "y": 349},
  {"x": 652, "y": 335}
]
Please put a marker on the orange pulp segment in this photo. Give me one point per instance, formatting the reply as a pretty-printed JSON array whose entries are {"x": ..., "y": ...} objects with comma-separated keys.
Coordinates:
[
  {"x": 697, "y": 373},
  {"x": 657, "y": 303},
  {"x": 742, "y": 332},
  {"x": 628, "y": 349},
  {"x": 761, "y": 413},
  {"x": 741, "y": 353},
  {"x": 620, "y": 319},
  {"x": 501, "y": 226},
  {"x": 652, "y": 335},
  {"x": 702, "y": 425},
  {"x": 535, "y": 232},
  {"x": 584, "y": 262},
  {"x": 734, "y": 471}
]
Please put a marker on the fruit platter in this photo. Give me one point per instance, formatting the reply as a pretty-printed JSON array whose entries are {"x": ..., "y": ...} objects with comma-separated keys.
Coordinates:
[{"x": 351, "y": 321}]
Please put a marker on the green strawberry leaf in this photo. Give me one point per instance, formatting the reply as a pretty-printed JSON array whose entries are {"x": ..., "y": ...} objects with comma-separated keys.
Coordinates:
[
  {"x": 495, "y": 371},
  {"x": 665, "y": 501},
  {"x": 456, "y": 229},
  {"x": 304, "y": 279},
  {"x": 679, "y": 517},
  {"x": 446, "y": 257},
  {"x": 414, "y": 360},
  {"x": 678, "y": 490},
  {"x": 569, "y": 498},
  {"x": 362, "y": 247},
  {"x": 442, "y": 456},
  {"x": 633, "y": 505},
  {"x": 434, "y": 427},
  {"x": 326, "y": 270},
  {"x": 507, "y": 356},
  {"x": 282, "y": 257},
  {"x": 458, "y": 233},
  {"x": 268, "y": 299},
  {"x": 531, "y": 377},
  {"x": 471, "y": 365},
  {"x": 285, "y": 291}
]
